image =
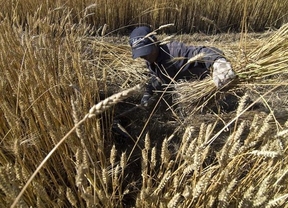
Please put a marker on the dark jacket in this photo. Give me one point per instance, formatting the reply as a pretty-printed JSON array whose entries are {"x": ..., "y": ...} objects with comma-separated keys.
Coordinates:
[{"x": 171, "y": 64}]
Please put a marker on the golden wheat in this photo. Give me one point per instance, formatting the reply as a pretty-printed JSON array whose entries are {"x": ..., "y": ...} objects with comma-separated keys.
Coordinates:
[
  {"x": 57, "y": 70},
  {"x": 153, "y": 158},
  {"x": 190, "y": 150},
  {"x": 108, "y": 102},
  {"x": 248, "y": 194},
  {"x": 278, "y": 202},
  {"x": 162, "y": 183},
  {"x": 144, "y": 164},
  {"x": 113, "y": 155},
  {"x": 165, "y": 153},
  {"x": 201, "y": 185},
  {"x": 71, "y": 197},
  {"x": 225, "y": 193},
  {"x": 174, "y": 201},
  {"x": 186, "y": 139}
]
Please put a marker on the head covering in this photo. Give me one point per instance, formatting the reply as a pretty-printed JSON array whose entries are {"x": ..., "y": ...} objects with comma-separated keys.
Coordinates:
[{"x": 140, "y": 43}]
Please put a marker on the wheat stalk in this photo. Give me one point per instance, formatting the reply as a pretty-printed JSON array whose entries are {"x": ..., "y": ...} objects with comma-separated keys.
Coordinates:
[
  {"x": 271, "y": 154},
  {"x": 201, "y": 185},
  {"x": 247, "y": 197},
  {"x": 153, "y": 158},
  {"x": 225, "y": 193},
  {"x": 105, "y": 176},
  {"x": 186, "y": 139},
  {"x": 174, "y": 201},
  {"x": 113, "y": 153},
  {"x": 147, "y": 142},
  {"x": 144, "y": 160},
  {"x": 277, "y": 202},
  {"x": 110, "y": 101},
  {"x": 71, "y": 197},
  {"x": 162, "y": 183},
  {"x": 165, "y": 153}
]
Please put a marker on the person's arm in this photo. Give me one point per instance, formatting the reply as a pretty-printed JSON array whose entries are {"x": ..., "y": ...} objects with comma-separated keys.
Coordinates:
[
  {"x": 199, "y": 67},
  {"x": 209, "y": 54},
  {"x": 222, "y": 71},
  {"x": 153, "y": 84}
]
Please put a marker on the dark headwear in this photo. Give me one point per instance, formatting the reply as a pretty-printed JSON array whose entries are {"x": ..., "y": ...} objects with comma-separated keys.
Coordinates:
[{"x": 140, "y": 43}]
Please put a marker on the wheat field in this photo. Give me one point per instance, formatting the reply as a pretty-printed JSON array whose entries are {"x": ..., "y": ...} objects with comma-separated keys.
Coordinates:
[{"x": 66, "y": 76}]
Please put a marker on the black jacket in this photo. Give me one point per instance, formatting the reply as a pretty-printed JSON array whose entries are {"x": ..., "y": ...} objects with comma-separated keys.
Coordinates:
[{"x": 171, "y": 64}]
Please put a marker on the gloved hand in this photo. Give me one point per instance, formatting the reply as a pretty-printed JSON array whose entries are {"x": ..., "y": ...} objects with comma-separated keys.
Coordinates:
[
  {"x": 145, "y": 99},
  {"x": 222, "y": 72}
]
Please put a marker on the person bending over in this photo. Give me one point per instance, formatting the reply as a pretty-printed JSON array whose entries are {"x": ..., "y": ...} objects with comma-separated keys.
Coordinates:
[{"x": 171, "y": 62}]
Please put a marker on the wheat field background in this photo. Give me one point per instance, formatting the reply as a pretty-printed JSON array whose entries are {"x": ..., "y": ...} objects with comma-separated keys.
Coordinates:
[{"x": 66, "y": 76}]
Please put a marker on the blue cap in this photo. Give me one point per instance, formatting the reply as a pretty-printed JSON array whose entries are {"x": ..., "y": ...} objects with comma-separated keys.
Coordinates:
[{"x": 141, "y": 46}]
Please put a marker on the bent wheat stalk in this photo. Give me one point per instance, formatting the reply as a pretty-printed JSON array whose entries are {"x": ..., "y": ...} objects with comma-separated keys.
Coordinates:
[{"x": 95, "y": 110}]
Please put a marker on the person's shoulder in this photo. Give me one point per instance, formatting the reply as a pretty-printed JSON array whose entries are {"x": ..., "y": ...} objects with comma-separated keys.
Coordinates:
[{"x": 176, "y": 44}]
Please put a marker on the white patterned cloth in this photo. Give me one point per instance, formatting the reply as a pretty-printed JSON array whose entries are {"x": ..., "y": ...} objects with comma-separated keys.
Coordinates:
[{"x": 222, "y": 72}]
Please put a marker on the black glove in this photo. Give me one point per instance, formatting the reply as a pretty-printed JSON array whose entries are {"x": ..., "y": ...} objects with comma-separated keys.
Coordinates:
[
  {"x": 153, "y": 84},
  {"x": 145, "y": 99}
]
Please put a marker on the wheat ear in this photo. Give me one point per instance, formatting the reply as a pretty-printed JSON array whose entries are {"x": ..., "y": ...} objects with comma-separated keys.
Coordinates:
[{"x": 110, "y": 101}]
